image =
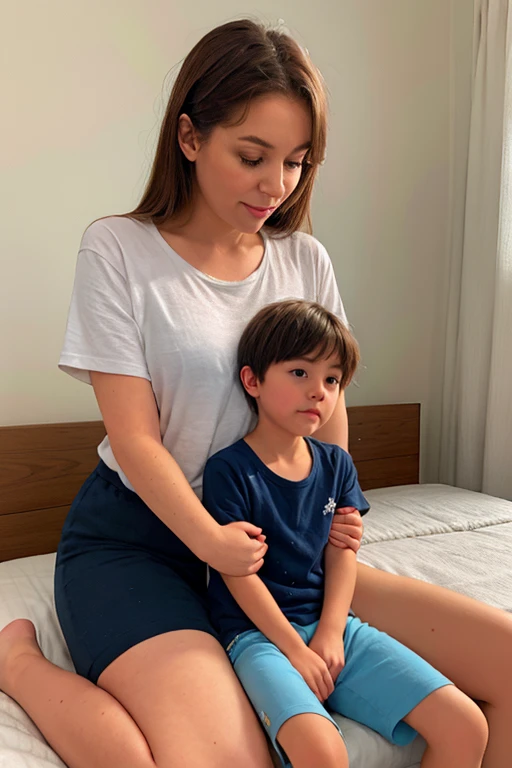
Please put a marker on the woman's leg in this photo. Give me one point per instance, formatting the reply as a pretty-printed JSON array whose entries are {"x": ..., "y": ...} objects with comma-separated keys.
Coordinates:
[
  {"x": 171, "y": 700},
  {"x": 466, "y": 640},
  {"x": 181, "y": 690},
  {"x": 82, "y": 723}
]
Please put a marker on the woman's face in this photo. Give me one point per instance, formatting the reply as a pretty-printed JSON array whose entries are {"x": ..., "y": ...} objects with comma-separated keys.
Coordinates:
[{"x": 245, "y": 171}]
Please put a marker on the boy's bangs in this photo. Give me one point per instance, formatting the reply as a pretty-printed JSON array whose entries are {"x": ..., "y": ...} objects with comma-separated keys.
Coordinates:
[
  {"x": 319, "y": 344},
  {"x": 330, "y": 346}
]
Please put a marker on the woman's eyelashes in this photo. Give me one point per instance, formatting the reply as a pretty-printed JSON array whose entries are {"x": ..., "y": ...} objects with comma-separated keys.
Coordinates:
[{"x": 293, "y": 165}]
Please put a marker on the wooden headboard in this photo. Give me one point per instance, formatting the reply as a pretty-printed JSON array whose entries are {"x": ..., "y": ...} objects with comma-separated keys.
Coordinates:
[{"x": 43, "y": 465}]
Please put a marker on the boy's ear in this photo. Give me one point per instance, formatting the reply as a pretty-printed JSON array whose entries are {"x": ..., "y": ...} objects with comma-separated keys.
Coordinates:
[{"x": 250, "y": 381}]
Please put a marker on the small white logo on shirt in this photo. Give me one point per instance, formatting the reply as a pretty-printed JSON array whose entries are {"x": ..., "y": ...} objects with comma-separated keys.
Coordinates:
[{"x": 329, "y": 507}]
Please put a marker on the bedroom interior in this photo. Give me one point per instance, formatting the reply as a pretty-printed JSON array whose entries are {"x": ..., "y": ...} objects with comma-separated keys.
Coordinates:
[
  {"x": 446, "y": 535},
  {"x": 420, "y": 95},
  {"x": 43, "y": 465}
]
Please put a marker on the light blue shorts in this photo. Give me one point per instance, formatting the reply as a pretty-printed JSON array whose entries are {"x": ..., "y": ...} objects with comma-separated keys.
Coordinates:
[{"x": 381, "y": 682}]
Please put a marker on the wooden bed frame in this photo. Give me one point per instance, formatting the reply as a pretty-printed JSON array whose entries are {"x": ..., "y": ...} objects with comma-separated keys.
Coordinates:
[{"x": 43, "y": 465}]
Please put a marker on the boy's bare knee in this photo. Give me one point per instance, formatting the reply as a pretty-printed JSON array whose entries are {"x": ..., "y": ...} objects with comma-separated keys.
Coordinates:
[
  {"x": 471, "y": 732},
  {"x": 464, "y": 731},
  {"x": 312, "y": 739}
]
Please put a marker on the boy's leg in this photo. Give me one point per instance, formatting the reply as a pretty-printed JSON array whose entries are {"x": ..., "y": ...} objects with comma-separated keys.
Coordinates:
[
  {"x": 311, "y": 740},
  {"x": 454, "y": 728},
  {"x": 466, "y": 640},
  {"x": 382, "y": 682},
  {"x": 288, "y": 709}
]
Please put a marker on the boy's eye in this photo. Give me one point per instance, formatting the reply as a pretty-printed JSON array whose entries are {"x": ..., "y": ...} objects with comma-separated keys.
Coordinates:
[
  {"x": 300, "y": 373},
  {"x": 332, "y": 380}
]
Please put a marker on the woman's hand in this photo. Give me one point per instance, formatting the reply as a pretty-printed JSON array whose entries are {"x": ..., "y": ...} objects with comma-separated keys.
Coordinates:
[
  {"x": 328, "y": 644},
  {"x": 238, "y": 549},
  {"x": 314, "y": 671},
  {"x": 346, "y": 529}
]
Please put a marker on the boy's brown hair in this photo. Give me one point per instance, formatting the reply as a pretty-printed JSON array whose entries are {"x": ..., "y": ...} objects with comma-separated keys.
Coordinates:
[{"x": 287, "y": 330}]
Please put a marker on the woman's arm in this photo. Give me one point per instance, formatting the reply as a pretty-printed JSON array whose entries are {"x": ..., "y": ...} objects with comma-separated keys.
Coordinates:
[
  {"x": 130, "y": 415},
  {"x": 336, "y": 429},
  {"x": 346, "y": 531}
]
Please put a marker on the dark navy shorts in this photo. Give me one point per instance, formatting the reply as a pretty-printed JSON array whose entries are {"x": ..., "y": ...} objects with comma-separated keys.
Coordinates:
[{"x": 122, "y": 576}]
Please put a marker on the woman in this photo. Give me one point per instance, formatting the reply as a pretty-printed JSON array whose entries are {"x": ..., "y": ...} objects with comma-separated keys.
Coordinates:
[{"x": 160, "y": 298}]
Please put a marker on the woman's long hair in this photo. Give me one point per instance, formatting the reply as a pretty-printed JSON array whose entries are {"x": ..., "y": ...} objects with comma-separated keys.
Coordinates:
[{"x": 230, "y": 66}]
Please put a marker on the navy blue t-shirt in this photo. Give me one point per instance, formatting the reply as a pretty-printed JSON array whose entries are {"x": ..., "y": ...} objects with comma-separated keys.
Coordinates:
[{"x": 296, "y": 518}]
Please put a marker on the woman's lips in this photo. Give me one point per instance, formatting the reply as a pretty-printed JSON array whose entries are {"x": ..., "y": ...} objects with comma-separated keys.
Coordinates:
[{"x": 259, "y": 213}]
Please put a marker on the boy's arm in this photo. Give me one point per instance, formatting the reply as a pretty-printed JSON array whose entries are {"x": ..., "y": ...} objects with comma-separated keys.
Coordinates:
[
  {"x": 340, "y": 565},
  {"x": 258, "y": 604},
  {"x": 224, "y": 498},
  {"x": 339, "y": 585}
]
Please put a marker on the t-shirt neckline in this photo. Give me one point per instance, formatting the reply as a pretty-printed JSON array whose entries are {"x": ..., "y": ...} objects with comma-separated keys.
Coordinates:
[
  {"x": 277, "y": 479},
  {"x": 203, "y": 275}
]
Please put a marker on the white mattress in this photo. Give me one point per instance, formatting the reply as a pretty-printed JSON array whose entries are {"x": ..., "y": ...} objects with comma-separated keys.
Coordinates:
[
  {"x": 445, "y": 535},
  {"x": 448, "y": 536}
]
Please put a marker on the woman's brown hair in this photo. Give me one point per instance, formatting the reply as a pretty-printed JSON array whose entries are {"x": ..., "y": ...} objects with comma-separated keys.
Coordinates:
[
  {"x": 228, "y": 68},
  {"x": 291, "y": 330}
]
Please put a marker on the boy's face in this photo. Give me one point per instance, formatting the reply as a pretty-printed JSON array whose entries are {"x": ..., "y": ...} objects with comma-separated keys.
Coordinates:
[{"x": 299, "y": 395}]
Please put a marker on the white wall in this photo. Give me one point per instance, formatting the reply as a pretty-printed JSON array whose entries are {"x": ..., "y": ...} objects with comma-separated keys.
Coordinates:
[{"x": 83, "y": 96}]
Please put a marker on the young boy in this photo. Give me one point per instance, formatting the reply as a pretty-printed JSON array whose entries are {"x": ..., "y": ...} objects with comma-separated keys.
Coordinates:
[{"x": 287, "y": 628}]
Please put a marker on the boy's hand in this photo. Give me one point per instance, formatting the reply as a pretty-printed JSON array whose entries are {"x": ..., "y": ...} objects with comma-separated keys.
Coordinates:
[
  {"x": 238, "y": 549},
  {"x": 346, "y": 529},
  {"x": 314, "y": 671},
  {"x": 328, "y": 644}
]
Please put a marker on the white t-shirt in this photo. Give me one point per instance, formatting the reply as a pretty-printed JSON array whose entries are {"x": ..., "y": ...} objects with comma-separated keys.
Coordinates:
[{"x": 139, "y": 309}]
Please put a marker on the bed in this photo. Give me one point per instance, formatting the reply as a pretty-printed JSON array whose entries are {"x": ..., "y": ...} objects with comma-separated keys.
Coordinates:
[{"x": 456, "y": 538}]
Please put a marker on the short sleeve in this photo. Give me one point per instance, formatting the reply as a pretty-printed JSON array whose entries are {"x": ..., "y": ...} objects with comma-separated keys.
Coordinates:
[
  {"x": 351, "y": 494},
  {"x": 328, "y": 293},
  {"x": 223, "y": 496},
  {"x": 101, "y": 333}
]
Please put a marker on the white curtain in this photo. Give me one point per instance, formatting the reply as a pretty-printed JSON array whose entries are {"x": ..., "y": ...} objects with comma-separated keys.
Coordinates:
[{"x": 476, "y": 431}]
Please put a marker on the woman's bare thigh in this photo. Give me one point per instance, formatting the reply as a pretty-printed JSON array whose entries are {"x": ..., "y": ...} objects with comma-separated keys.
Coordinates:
[
  {"x": 468, "y": 641},
  {"x": 181, "y": 691}
]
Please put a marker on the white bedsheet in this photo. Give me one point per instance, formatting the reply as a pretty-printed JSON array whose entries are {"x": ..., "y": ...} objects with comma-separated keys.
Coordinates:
[
  {"x": 445, "y": 535},
  {"x": 448, "y": 536}
]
